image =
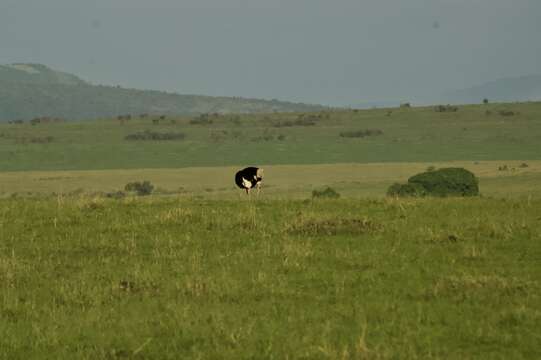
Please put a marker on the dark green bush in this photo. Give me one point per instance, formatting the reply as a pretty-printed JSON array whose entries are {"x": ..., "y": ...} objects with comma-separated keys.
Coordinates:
[
  {"x": 141, "y": 188},
  {"x": 361, "y": 133},
  {"x": 446, "y": 108},
  {"x": 407, "y": 189},
  {"x": 442, "y": 182},
  {"x": 116, "y": 195},
  {"x": 203, "y": 119},
  {"x": 155, "y": 136},
  {"x": 326, "y": 193},
  {"x": 447, "y": 182},
  {"x": 311, "y": 121}
]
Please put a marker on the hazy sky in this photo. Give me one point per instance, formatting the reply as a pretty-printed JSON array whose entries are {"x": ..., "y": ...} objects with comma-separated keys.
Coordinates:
[{"x": 332, "y": 52}]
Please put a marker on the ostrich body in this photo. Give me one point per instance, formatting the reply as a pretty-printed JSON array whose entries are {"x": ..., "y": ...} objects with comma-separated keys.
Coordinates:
[{"x": 249, "y": 178}]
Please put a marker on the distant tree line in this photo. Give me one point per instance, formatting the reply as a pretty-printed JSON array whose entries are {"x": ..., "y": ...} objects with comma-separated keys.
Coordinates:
[{"x": 446, "y": 108}]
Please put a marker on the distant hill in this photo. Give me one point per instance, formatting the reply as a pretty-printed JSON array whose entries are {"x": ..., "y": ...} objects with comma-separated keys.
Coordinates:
[
  {"x": 524, "y": 88},
  {"x": 34, "y": 90}
]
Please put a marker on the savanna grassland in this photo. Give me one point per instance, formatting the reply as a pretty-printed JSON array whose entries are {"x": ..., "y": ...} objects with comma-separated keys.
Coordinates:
[
  {"x": 171, "y": 278},
  {"x": 196, "y": 271},
  {"x": 473, "y": 133}
]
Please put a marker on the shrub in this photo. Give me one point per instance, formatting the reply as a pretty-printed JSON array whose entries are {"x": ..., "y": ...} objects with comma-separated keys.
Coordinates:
[
  {"x": 115, "y": 195},
  {"x": 405, "y": 105},
  {"x": 407, "y": 189},
  {"x": 442, "y": 182},
  {"x": 141, "y": 188},
  {"x": 326, "y": 193},
  {"x": 485, "y": 101},
  {"x": 203, "y": 119},
  {"x": 447, "y": 182},
  {"x": 361, "y": 133},
  {"x": 446, "y": 108},
  {"x": 156, "y": 136},
  {"x": 523, "y": 165}
]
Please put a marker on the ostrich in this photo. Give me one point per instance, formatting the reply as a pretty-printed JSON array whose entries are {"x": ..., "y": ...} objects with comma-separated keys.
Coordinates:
[{"x": 248, "y": 178}]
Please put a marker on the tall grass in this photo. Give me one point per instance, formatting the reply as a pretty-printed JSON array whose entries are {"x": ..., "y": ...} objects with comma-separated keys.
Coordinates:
[{"x": 171, "y": 278}]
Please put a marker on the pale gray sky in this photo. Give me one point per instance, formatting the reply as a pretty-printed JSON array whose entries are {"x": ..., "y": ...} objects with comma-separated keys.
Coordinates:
[{"x": 331, "y": 52}]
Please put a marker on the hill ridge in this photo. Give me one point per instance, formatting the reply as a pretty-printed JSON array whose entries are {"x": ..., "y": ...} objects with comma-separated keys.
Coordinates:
[
  {"x": 30, "y": 90},
  {"x": 506, "y": 89}
]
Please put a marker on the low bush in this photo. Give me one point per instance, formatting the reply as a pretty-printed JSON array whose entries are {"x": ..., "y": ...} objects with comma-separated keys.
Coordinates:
[
  {"x": 140, "y": 188},
  {"x": 406, "y": 190},
  {"x": 116, "y": 195},
  {"x": 361, "y": 133},
  {"x": 203, "y": 119},
  {"x": 446, "y": 108},
  {"x": 155, "y": 136},
  {"x": 268, "y": 136},
  {"x": 326, "y": 193},
  {"x": 447, "y": 182},
  {"x": 442, "y": 182}
]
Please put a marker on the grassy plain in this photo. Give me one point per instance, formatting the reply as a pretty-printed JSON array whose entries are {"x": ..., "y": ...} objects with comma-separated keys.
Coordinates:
[
  {"x": 281, "y": 181},
  {"x": 170, "y": 278},
  {"x": 200, "y": 274},
  {"x": 409, "y": 135}
]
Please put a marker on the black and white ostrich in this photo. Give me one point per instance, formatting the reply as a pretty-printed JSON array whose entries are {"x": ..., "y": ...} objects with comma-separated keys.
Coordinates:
[{"x": 249, "y": 178}]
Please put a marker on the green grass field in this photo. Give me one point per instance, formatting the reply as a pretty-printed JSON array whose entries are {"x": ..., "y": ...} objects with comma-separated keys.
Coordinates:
[
  {"x": 197, "y": 270},
  {"x": 409, "y": 135},
  {"x": 346, "y": 279},
  {"x": 281, "y": 181}
]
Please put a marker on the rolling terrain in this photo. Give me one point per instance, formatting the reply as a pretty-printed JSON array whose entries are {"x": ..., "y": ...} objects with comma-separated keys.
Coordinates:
[
  {"x": 522, "y": 88},
  {"x": 198, "y": 271},
  {"x": 473, "y": 133},
  {"x": 29, "y": 91}
]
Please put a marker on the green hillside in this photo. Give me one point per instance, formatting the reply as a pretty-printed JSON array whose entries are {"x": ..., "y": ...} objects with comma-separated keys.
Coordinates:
[
  {"x": 474, "y": 133},
  {"x": 32, "y": 90}
]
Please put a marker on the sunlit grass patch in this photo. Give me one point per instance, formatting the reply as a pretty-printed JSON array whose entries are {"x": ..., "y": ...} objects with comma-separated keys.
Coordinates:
[{"x": 169, "y": 277}]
